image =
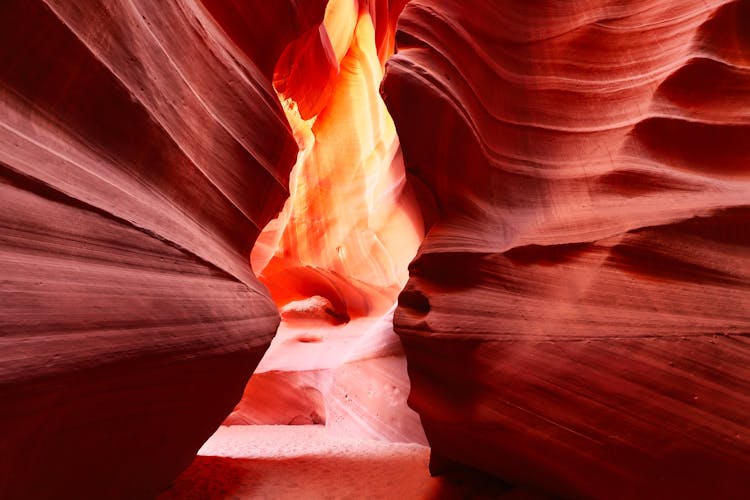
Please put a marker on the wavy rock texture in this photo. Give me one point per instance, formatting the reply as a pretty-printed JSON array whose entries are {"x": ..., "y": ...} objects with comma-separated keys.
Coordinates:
[
  {"x": 142, "y": 148},
  {"x": 336, "y": 257},
  {"x": 578, "y": 317}
]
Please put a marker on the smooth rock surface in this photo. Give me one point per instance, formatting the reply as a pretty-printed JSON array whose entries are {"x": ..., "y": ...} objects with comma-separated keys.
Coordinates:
[
  {"x": 578, "y": 317},
  {"x": 142, "y": 149}
]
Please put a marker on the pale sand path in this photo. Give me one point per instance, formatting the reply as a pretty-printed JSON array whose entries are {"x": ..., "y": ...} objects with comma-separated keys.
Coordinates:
[{"x": 306, "y": 462}]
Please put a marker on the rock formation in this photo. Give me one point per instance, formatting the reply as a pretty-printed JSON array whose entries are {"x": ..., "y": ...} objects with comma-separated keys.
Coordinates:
[
  {"x": 577, "y": 318},
  {"x": 351, "y": 377},
  {"x": 142, "y": 149},
  {"x": 351, "y": 224},
  {"x": 336, "y": 257}
]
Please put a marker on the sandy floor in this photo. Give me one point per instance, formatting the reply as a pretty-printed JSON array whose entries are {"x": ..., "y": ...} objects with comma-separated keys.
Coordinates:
[{"x": 305, "y": 462}]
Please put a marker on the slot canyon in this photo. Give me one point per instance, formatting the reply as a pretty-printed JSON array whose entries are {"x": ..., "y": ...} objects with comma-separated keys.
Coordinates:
[{"x": 374, "y": 249}]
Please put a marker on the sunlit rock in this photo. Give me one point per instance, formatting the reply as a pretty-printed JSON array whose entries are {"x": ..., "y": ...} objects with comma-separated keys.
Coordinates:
[{"x": 338, "y": 252}]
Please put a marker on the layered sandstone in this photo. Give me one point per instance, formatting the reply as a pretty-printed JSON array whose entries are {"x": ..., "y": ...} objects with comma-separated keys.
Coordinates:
[
  {"x": 142, "y": 149},
  {"x": 577, "y": 318}
]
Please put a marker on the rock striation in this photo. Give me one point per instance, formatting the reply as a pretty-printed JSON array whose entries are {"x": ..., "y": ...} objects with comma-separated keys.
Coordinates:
[
  {"x": 576, "y": 319},
  {"x": 578, "y": 316},
  {"x": 142, "y": 149}
]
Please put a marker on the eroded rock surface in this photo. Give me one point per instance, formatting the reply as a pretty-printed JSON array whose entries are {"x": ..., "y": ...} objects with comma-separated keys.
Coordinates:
[
  {"x": 351, "y": 224},
  {"x": 351, "y": 377},
  {"x": 576, "y": 320},
  {"x": 142, "y": 149},
  {"x": 578, "y": 316}
]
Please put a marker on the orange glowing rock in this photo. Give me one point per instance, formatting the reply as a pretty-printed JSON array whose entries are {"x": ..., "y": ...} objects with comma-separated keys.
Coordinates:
[
  {"x": 350, "y": 215},
  {"x": 339, "y": 250}
]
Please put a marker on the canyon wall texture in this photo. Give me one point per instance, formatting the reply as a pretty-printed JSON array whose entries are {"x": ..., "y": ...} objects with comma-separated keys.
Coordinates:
[
  {"x": 142, "y": 150},
  {"x": 578, "y": 317}
]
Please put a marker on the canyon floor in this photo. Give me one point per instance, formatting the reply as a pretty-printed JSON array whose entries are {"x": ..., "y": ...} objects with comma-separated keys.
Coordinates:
[{"x": 307, "y": 462}]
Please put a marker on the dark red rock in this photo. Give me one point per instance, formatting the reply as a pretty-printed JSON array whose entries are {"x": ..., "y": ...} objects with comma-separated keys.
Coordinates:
[
  {"x": 141, "y": 151},
  {"x": 577, "y": 318}
]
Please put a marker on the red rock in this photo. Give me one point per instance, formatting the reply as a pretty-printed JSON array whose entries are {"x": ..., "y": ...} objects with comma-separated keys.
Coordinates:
[
  {"x": 141, "y": 151},
  {"x": 577, "y": 317}
]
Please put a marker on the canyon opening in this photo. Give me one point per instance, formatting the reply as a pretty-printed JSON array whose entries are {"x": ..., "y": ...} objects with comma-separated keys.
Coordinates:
[{"x": 336, "y": 257}]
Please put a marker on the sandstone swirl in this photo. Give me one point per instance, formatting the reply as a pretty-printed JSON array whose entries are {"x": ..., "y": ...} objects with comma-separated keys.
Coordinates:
[
  {"x": 142, "y": 148},
  {"x": 578, "y": 317}
]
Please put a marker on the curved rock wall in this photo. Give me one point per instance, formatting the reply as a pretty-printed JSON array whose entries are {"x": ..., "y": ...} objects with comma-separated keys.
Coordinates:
[
  {"x": 142, "y": 148},
  {"x": 577, "y": 318}
]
